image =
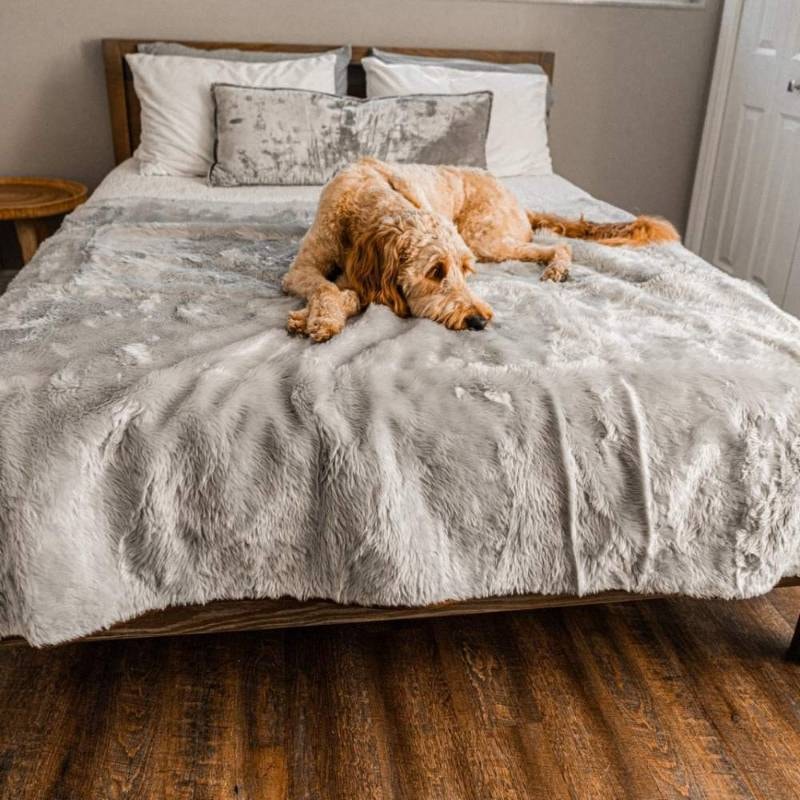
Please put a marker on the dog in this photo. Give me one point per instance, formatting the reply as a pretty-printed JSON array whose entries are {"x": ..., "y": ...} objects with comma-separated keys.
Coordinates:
[{"x": 408, "y": 236}]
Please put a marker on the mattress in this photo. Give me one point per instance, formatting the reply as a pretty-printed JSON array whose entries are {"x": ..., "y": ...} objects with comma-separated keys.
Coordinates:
[{"x": 164, "y": 441}]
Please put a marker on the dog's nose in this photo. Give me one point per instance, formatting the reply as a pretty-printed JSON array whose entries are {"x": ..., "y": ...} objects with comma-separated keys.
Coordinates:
[{"x": 476, "y": 323}]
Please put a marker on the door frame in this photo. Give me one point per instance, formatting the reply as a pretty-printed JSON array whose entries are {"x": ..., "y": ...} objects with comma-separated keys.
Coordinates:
[{"x": 712, "y": 128}]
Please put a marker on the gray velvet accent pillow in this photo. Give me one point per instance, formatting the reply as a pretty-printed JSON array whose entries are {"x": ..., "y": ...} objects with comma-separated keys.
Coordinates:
[
  {"x": 343, "y": 55},
  {"x": 466, "y": 64},
  {"x": 293, "y": 137}
]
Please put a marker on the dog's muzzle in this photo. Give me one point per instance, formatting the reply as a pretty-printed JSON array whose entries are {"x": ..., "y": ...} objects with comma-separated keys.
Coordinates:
[{"x": 475, "y": 322}]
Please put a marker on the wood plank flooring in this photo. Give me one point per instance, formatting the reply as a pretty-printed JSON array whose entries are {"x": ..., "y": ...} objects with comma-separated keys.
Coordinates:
[{"x": 661, "y": 699}]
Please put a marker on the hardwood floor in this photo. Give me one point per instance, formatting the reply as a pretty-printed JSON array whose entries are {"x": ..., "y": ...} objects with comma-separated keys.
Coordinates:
[{"x": 661, "y": 699}]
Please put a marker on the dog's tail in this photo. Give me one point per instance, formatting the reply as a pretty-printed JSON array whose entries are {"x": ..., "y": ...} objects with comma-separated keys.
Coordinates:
[{"x": 641, "y": 231}]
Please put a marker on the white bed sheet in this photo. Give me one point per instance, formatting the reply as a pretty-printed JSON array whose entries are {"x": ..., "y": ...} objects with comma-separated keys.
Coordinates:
[
  {"x": 163, "y": 441},
  {"x": 553, "y": 192}
]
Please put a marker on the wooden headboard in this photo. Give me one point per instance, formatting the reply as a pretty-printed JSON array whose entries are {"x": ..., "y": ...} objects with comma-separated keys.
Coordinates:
[{"x": 124, "y": 105}]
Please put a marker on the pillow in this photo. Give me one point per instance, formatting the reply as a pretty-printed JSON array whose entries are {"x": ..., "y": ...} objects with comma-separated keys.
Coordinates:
[
  {"x": 178, "y": 110},
  {"x": 467, "y": 64},
  {"x": 517, "y": 140},
  {"x": 342, "y": 54},
  {"x": 289, "y": 137}
]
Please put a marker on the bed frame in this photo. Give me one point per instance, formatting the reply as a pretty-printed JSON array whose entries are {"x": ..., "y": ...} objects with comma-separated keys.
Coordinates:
[{"x": 244, "y": 615}]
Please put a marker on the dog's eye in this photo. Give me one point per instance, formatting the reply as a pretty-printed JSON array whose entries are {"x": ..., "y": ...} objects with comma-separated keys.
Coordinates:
[{"x": 437, "y": 272}]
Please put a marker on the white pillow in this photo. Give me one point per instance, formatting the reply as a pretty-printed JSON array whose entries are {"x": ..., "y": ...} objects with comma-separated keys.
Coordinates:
[
  {"x": 178, "y": 107},
  {"x": 517, "y": 140}
]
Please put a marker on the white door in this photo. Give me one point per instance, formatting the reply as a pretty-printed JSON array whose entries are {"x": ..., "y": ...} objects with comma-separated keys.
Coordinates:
[{"x": 752, "y": 227}]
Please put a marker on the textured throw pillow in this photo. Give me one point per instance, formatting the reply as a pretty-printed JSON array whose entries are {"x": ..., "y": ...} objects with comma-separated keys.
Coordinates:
[
  {"x": 287, "y": 137},
  {"x": 178, "y": 110},
  {"x": 342, "y": 54},
  {"x": 466, "y": 64},
  {"x": 517, "y": 141}
]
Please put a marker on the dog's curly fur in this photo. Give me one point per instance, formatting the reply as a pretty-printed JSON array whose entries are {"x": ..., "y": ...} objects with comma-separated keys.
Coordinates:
[{"x": 408, "y": 236}]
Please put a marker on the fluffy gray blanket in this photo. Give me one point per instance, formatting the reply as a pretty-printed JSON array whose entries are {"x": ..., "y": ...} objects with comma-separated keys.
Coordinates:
[{"x": 163, "y": 441}]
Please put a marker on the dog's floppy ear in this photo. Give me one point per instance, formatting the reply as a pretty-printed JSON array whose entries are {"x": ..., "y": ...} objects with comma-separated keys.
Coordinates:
[
  {"x": 391, "y": 294},
  {"x": 372, "y": 266}
]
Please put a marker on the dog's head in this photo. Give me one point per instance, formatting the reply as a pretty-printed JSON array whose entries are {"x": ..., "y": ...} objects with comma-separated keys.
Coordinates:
[{"x": 417, "y": 264}]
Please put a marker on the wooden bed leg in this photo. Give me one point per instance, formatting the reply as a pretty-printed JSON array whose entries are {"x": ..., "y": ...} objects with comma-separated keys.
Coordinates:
[{"x": 793, "y": 653}]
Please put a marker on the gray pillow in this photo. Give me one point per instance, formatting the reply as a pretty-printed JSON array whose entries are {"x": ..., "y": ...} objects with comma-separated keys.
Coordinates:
[
  {"x": 343, "y": 55},
  {"x": 294, "y": 136},
  {"x": 466, "y": 64}
]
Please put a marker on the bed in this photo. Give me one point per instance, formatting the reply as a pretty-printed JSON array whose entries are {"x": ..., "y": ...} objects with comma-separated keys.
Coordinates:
[{"x": 174, "y": 462}]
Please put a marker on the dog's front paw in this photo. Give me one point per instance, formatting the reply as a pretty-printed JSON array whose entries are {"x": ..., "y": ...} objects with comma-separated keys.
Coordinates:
[
  {"x": 328, "y": 310},
  {"x": 323, "y": 327},
  {"x": 296, "y": 323}
]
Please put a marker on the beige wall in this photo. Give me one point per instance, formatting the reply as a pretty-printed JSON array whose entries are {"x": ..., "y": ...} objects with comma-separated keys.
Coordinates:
[{"x": 630, "y": 83}]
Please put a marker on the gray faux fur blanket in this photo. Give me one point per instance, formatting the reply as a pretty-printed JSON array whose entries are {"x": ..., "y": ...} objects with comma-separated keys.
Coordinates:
[{"x": 163, "y": 441}]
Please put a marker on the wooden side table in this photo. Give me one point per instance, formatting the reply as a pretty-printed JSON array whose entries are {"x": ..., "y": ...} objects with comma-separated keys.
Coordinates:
[{"x": 29, "y": 201}]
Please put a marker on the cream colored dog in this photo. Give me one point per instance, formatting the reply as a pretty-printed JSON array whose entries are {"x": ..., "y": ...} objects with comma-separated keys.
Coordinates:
[{"x": 408, "y": 236}]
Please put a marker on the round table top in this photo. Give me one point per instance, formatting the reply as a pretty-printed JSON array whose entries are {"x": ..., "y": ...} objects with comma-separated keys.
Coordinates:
[{"x": 28, "y": 198}]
